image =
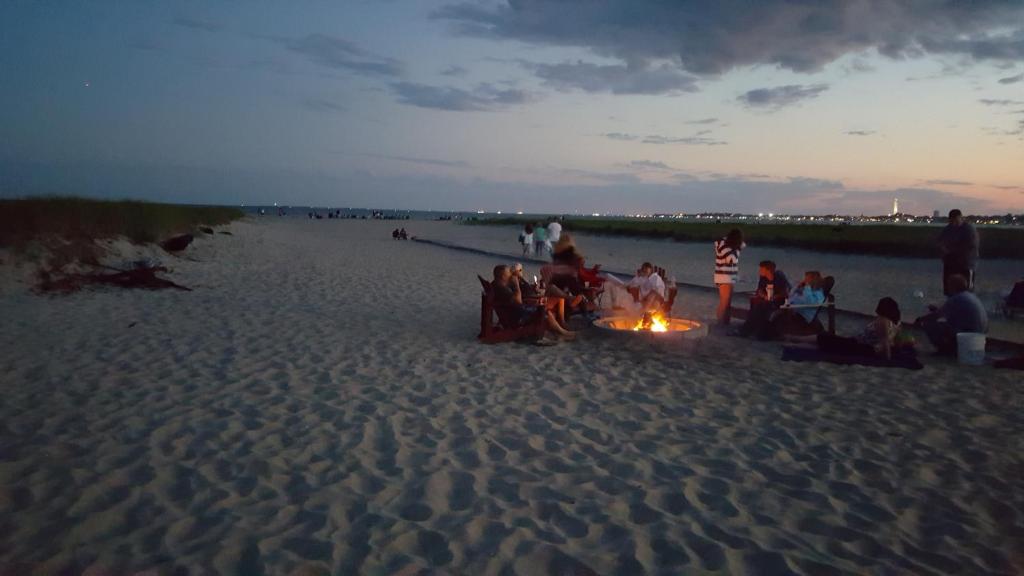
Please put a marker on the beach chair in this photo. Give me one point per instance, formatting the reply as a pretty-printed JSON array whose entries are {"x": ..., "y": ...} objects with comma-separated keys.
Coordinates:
[
  {"x": 1014, "y": 302},
  {"x": 507, "y": 328},
  {"x": 814, "y": 326}
]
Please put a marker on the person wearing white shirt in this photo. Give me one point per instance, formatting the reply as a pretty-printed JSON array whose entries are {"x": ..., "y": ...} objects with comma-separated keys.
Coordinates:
[
  {"x": 648, "y": 288},
  {"x": 554, "y": 231}
]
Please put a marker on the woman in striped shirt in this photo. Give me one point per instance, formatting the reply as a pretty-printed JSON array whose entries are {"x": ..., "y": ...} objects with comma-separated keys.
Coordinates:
[{"x": 727, "y": 270}]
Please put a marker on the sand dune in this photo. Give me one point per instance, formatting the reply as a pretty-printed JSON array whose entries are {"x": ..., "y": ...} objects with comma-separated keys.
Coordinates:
[{"x": 319, "y": 404}]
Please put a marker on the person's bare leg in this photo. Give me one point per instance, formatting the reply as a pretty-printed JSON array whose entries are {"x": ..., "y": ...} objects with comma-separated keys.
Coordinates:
[
  {"x": 561, "y": 313},
  {"x": 557, "y": 306},
  {"x": 554, "y": 327},
  {"x": 724, "y": 313}
]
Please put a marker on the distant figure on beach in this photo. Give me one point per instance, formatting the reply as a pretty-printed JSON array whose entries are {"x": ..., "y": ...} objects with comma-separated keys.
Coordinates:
[
  {"x": 554, "y": 231},
  {"x": 526, "y": 239},
  {"x": 772, "y": 290},
  {"x": 540, "y": 240},
  {"x": 877, "y": 339},
  {"x": 962, "y": 312},
  {"x": 395, "y": 234},
  {"x": 403, "y": 234},
  {"x": 727, "y": 270},
  {"x": 959, "y": 244},
  {"x": 507, "y": 293}
]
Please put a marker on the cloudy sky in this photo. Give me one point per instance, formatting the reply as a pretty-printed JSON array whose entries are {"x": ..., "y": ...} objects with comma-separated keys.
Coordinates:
[{"x": 538, "y": 105}]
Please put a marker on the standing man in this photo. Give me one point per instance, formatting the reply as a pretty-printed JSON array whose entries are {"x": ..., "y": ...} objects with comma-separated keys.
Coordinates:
[
  {"x": 959, "y": 245},
  {"x": 554, "y": 231}
]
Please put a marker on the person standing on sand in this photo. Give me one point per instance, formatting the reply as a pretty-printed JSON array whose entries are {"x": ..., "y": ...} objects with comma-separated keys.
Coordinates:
[
  {"x": 727, "y": 271},
  {"x": 959, "y": 245},
  {"x": 526, "y": 239},
  {"x": 554, "y": 231},
  {"x": 540, "y": 239}
]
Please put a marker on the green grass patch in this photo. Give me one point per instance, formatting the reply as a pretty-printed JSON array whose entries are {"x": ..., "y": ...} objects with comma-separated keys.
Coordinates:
[
  {"x": 27, "y": 219},
  {"x": 880, "y": 240}
]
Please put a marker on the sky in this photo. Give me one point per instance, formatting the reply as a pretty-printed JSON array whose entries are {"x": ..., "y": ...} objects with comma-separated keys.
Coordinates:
[{"x": 572, "y": 106}]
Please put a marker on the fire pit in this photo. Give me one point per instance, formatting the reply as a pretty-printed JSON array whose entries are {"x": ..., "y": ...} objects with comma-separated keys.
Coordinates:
[{"x": 655, "y": 325}]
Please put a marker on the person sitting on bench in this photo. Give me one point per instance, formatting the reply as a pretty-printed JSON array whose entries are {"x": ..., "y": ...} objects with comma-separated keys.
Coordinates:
[{"x": 772, "y": 291}]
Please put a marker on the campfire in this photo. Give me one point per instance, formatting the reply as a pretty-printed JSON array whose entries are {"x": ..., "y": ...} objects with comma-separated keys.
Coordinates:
[{"x": 652, "y": 322}]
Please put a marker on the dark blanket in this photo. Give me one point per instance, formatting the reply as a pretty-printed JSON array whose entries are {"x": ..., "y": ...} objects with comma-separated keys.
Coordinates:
[{"x": 900, "y": 360}]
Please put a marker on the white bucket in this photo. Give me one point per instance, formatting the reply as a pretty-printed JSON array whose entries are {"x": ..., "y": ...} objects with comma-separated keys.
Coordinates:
[{"x": 970, "y": 348}]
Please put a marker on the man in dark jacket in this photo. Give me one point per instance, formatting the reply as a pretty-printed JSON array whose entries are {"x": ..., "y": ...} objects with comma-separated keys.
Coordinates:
[{"x": 959, "y": 245}]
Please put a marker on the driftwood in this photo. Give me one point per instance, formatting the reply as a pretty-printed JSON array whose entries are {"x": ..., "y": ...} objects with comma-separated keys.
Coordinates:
[
  {"x": 177, "y": 244},
  {"x": 206, "y": 230},
  {"x": 137, "y": 278},
  {"x": 226, "y": 233}
]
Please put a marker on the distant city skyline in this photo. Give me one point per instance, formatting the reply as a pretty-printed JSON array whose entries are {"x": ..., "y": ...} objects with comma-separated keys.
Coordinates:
[{"x": 554, "y": 106}]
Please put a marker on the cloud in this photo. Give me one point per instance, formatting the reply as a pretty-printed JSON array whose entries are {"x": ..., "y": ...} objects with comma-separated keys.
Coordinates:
[
  {"x": 422, "y": 161},
  {"x": 483, "y": 97},
  {"x": 780, "y": 96},
  {"x": 701, "y": 121},
  {"x": 197, "y": 24},
  {"x": 997, "y": 102},
  {"x": 341, "y": 54},
  {"x": 947, "y": 183},
  {"x": 714, "y": 37},
  {"x": 649, "y": 165},
  {"x": 614, "y": 78},
  {"x": 454, "y": 71},
  {"x": 620, "y": 136},
  {"x": 859, "y": 132},
  {"x": 659, "y": 139},
  {"x": 321, "y": 105},
  {"x": 1012, "y": 79},
  {"x": 693, "y": 140}
]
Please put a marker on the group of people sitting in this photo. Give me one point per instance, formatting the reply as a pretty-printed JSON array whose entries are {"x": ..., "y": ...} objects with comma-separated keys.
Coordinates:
[
  {"x": 565, "y": 287},
  {"x": 399, "y": 234},
  {"x": 778, "y": 308}
]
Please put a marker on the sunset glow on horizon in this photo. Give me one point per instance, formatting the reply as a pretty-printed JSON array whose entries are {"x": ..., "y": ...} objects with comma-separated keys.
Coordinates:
[{"x": 615, "y": 106}]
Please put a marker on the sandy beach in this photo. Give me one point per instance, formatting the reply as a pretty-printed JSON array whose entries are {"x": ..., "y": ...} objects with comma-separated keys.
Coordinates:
[{"x": 319, "y": 404}]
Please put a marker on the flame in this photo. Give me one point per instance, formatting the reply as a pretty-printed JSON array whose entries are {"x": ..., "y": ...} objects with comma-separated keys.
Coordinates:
[{"x": 652, "y": 321}]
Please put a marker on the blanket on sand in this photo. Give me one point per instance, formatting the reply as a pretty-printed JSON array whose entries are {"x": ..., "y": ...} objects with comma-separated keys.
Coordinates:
[{"x": 795, "y": 354}]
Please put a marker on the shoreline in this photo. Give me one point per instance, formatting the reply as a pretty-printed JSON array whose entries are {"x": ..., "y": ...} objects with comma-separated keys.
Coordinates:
[{"x": 893, "y": 241}]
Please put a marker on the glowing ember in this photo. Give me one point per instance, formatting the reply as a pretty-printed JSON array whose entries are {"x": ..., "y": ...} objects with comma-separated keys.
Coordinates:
[{"x": 653, "y": 322}]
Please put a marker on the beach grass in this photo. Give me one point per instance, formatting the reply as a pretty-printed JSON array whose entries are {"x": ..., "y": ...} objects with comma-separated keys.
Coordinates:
[
  {"x": 26, "y": 219},
  {"x": 879, "y": 240}
]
